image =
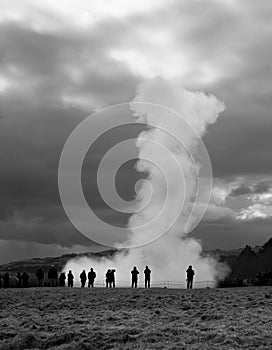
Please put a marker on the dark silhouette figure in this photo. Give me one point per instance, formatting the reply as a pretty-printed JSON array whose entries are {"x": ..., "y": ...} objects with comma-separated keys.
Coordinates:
[
  {"x": 190, "y": 276},
  {"x": 83, "y": 278},
  {"x": 147, "y": 273},
  {"x": 91, "y": 278},
  {"x": 6, "y": 280},
  {"x": 0, "y": 280},
  {"x": 62, "y": 278},
  {"x": 134, "y": 275},
  {"x": 110, "y": 278},
  {"x": 40, "y": 277},
  {"x": 25, "y": 278},
  {"x": 53, "y": 276},
  {"x": 18, "y": 280},
  {"x": 70, "y": 279}
]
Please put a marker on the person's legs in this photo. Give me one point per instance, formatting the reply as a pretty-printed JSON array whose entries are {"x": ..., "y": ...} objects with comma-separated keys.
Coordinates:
[{"x": 148, "y": 283}]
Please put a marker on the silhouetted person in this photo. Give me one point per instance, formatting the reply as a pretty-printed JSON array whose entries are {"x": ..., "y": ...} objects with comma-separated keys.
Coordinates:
[
  {"x": 147, "y": 273},
  {"x": 134, "y": 275},
  {"x": 0, "y": 280},
  {"x": 18, "y": 280},
  {"x": 83, "y": 278},
  {"x": 6, "y": 280},
  {"x": 91, "y": 278},
  {"x": 53, "y": 276},
  {"x": 190, "y": 276},
  {"x": 62, "y": 278},
  {"x": 110, "y": 278},
  {"x": 40, "y": 276},
  {"x": 25, "y": 278},
  {"x": 70, "y": 278}
]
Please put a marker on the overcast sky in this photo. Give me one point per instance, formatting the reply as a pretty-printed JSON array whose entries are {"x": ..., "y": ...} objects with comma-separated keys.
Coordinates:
[{"x": 60, "y": 61}]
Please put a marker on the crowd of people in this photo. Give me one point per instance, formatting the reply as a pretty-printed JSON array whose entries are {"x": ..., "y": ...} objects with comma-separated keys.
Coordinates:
[{"x": 54, "y": 279}]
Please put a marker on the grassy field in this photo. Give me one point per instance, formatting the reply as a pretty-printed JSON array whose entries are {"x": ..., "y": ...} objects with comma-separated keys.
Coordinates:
[{"x": 55, "y": 318}]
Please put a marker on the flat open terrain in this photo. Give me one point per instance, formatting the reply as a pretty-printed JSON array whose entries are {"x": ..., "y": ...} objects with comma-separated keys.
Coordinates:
[{"x": 55, "y": 318}]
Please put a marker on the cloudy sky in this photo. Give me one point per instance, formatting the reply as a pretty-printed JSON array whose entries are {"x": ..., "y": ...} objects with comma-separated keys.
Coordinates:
[{"x": 61, "y": 61}]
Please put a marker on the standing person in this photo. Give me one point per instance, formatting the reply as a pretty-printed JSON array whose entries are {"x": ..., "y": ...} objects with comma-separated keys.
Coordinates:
[
  {"x": 18, "y": 280},
  {"x": 108, "y": 278},
  {"x": 83, "y": 278},
  {"x": 112, "y": 277},
  {"x": 40, "y": 276},
  {"x": 53, "y": 276},
  {"x": 62, "y": 279},
  {"x": 190, "y": 276},
  {"x": 25, "y": 278},
  {"x": 6, "y": 280},
  {"x": 70, "y": 279},
  {"x": 147, "y": 273},
  {"x": 134, "y": 275},
  {"x": 91, "y": 278}
]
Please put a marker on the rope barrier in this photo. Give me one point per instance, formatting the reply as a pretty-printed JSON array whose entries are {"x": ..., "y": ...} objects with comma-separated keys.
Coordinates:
[{"x": 157, "y": 284}]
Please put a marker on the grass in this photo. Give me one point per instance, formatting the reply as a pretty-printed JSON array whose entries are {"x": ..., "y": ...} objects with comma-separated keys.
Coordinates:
[{"x": 59, "y": 318}]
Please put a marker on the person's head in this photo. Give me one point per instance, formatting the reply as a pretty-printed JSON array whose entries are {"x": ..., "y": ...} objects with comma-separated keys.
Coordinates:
[
  {"x": 91, "y": 269},
  {"x": 70, "y": 271},
  {"x": 134, "y": 268},
  {"x": 190, "y": 267},
  {"x": 146, "y": 267}
]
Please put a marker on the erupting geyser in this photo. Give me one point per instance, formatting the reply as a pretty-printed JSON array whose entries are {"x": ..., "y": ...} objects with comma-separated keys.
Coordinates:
[{"x": 170, "y": 254}]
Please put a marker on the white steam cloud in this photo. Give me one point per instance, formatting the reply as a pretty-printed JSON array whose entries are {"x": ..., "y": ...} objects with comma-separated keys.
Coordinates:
[{"x": 169, "y": 256}]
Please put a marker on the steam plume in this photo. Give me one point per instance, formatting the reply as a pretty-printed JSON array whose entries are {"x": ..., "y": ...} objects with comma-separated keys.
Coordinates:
[{"x": 169, "y": 255}]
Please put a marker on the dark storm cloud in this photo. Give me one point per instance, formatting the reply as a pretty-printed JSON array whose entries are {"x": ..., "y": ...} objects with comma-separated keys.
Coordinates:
[
  {"x": 233, "y": 234},
  {"x": 53, "y": 73},
  {"x": 262, "y": 187},
  {"x": 44, "y": 68},
  {"x": 240, "y": 191},
  {"x": 55, "y": 81},
  {"x": 257, "y": 188}
]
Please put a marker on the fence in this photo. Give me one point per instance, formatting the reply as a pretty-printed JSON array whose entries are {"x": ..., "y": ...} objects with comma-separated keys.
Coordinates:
[
  {"x": 122, "y": 284},
  {"x": 155, "y": 284}
]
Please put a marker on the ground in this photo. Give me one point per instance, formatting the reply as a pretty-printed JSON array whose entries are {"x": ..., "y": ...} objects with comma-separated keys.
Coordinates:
[{"x": 62, "y": 318}]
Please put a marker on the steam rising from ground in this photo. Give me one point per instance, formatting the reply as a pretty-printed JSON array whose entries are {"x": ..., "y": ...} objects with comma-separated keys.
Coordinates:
[{"x": 169, "y": 256}]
